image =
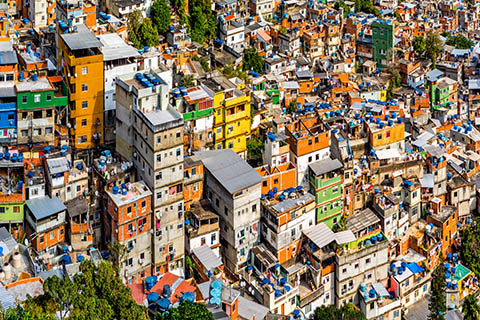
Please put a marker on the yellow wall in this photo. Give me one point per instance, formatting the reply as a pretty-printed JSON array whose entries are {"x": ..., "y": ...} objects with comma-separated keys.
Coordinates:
[
  {"x": 397, "y": 133},
  {"x": 94, "y": 95},
  {"x": 229, "y": 115}
]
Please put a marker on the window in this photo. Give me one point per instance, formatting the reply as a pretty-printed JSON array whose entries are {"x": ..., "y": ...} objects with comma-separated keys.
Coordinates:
[
  {"x": 367, "y": 261},
  {"x": 52, "y": 235},
  {"x": 37, "y": 132},
  {"x": 82, "y": 139},
  {"x": 11, "y": 116},
  {"x": 214, "y": 237},
  {"x": 36, "y": 98},
  {"x": 41, "y": 239},
  {"x": 254, "y": 208},
  {"x": 62, "y": 231},
  {"x": 49, "y": 97},
  {"x": 84, "y": 70},
  {"x": 84, "y": 87},
  {"x": 16, "y": 209},
  {"x": 24, "y": 133},
  {"x": 144, "y": 203},
  {"x": 84, "y": 122},
  {"x": 84, "y": 104},
  {"x": 178, "y": 134},
  {"x": 179, "y": 152},
  {"x": 379, "y": 137},
  {"x": 48, "y": 113}
]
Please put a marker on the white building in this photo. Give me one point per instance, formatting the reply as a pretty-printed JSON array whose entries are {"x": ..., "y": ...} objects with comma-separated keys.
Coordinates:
[{"x": 119, "y": 59}]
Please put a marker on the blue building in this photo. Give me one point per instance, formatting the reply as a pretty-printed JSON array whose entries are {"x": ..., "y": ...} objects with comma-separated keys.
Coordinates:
[{"x": 8, "y": 114}]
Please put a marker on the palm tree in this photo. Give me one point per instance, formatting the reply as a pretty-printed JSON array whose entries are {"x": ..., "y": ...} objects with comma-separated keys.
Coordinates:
[{"x": 470, "y": 308}]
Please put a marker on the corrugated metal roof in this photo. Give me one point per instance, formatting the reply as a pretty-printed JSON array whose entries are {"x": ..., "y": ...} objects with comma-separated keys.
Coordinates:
[
  {"x": 320, "y": 235},
  {"x": 42, "y": 208},
  {"x": 57, "y": 165},
  {"x": 207, "y": 257},
  {"x": 325, "y": 165},
  {"x": 427, "y": 181},
  {"x": 7, "y": 299},
  {"x": 8, "y": 57},
  {"x": 231, "y": 171},
  {"x": 7, "y": 242},
  {"x": 288, "y": 204},
  {"x": 362, "y": 220},
  {"x": 344, "y": 237},
  {"x": 380, "y": 289}
]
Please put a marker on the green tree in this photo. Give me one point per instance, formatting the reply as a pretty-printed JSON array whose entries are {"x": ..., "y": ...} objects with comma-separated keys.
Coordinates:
[
  {"x": 366, "y": 6},
  {"x": 346, "y": 312},
  {"x": 188, "y": 81},
  {"x": 470, "y": 308},
  {"x": 94, "y": 293},
  {"x": 342, "y": 4},
  {"x": 255, "y": 150},
  {"x": 179, "y": 8},
  {"x": 252, "y": 60},
  {"x": 437, "y": 304},
  {"x": 419, "y": 44},
  {"x": 202, "y": 21},
  {"x": 186, "y": 311},
  {"x": 160, "y": 15},
  {"x": 397, "y": 16},
  {"x": 459, "y": 41},
  {"x": 116, "y": 255},
  {"x": 148, "y": 33},
  {"x": 433, "y": 46},
  {"x": 141, "y": 31},
  {"x": 470, "y": 248}
]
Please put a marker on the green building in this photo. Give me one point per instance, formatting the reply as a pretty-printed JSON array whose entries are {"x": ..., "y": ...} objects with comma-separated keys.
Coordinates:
[
  {"x": 12, "y": 193},
  {"x": 37, "y": 99},
  {"x": 382, "y": 41},
  {"x": 326, "y": 183}
]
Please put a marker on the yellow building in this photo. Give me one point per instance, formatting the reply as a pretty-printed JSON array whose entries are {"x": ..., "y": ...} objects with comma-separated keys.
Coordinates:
[
  {"x": 232, "y": 116},
  {"x": 386, "y": 134},
  {"x": 81, "y": 62}
]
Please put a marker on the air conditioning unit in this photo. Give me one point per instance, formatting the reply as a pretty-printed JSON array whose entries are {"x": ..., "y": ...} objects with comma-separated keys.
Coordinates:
[{"x": 140, "y": 261}]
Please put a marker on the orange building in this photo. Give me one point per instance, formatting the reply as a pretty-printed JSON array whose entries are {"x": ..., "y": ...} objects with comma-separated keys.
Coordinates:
[
  {"x": 193, "y": 181},
  {"x": 46, "y": 223},
  {"x": 445, "y": 218},
  {"x": 283, "y": 218},
  {"x": 282, "y": 177},
  {"x": 128, "y": 221}
]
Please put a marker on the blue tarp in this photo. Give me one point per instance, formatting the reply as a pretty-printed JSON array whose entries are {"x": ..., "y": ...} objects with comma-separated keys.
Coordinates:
[{"x": 415, "y": 268}]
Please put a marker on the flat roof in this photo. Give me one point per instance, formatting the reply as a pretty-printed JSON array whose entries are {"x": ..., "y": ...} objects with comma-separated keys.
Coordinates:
[
  {"x": 115, "y": 48},
  {"x": 29, "y": 85},
  {"x": 288, "y": 204},
  {"x": 161, "y": 117},
  {"x": 325, "y": 165},
  {"x": 82, "y": 39},
  {"x": 135, "y": 192}
]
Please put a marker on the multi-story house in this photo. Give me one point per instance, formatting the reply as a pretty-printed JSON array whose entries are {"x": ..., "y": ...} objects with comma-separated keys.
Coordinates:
[
  {"x": 64, "y": 180},
  {"x": 364, "y": 260},
  {"x": 12, "y": 194},
  {"x": 158, "y": 157},
  {"x": 232, "y": 118},
  {"x": 283, "y": 220},
  {"x": 309, "y": 141},
  {"x": 203, "y": 227},
  {"x": 46, "y": 224},
  {"x": 134, "y": 93},
  {"x": 326, "y": 183},
  {"x": 128, "y": 221},
  {"x": 232, "y": 33},
  {"x": 80, "y": 227},
  {"x": 192, "y": 181},
  {"x": 119, "y": 58},
  {"x": 81, "y": 64},
  {"x": 394, "y": 220},
  {"x": 76, "y": 13},
  {"x": 262, "y": 8},
  {"x": 459, "y": 195},
  {"x": 233, "y": 188},
  {"x": 41, "y": 12},
  {"x": 196, "y": 106},
  {"x": 386, "y": 133},
  {"x": 383, "y": 41},
  {"x": 37, "y": 99}
]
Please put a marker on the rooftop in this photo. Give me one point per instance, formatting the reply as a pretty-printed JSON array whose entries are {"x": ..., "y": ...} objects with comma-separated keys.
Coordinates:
[
  {"x": 134, "y": 192},
  {"x": 82, "y": 39},
  {"x": 230, "y": 170},
  {"x": 325, "y": 165},
  {"x": 45, "y": 207}
]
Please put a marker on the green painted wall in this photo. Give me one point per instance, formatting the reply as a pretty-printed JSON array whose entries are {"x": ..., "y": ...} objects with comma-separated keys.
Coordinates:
[
  {"x": 47, "y": 100},
  {"x": 382, "y": 40},
  {"x": 9, "y": 214}
]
